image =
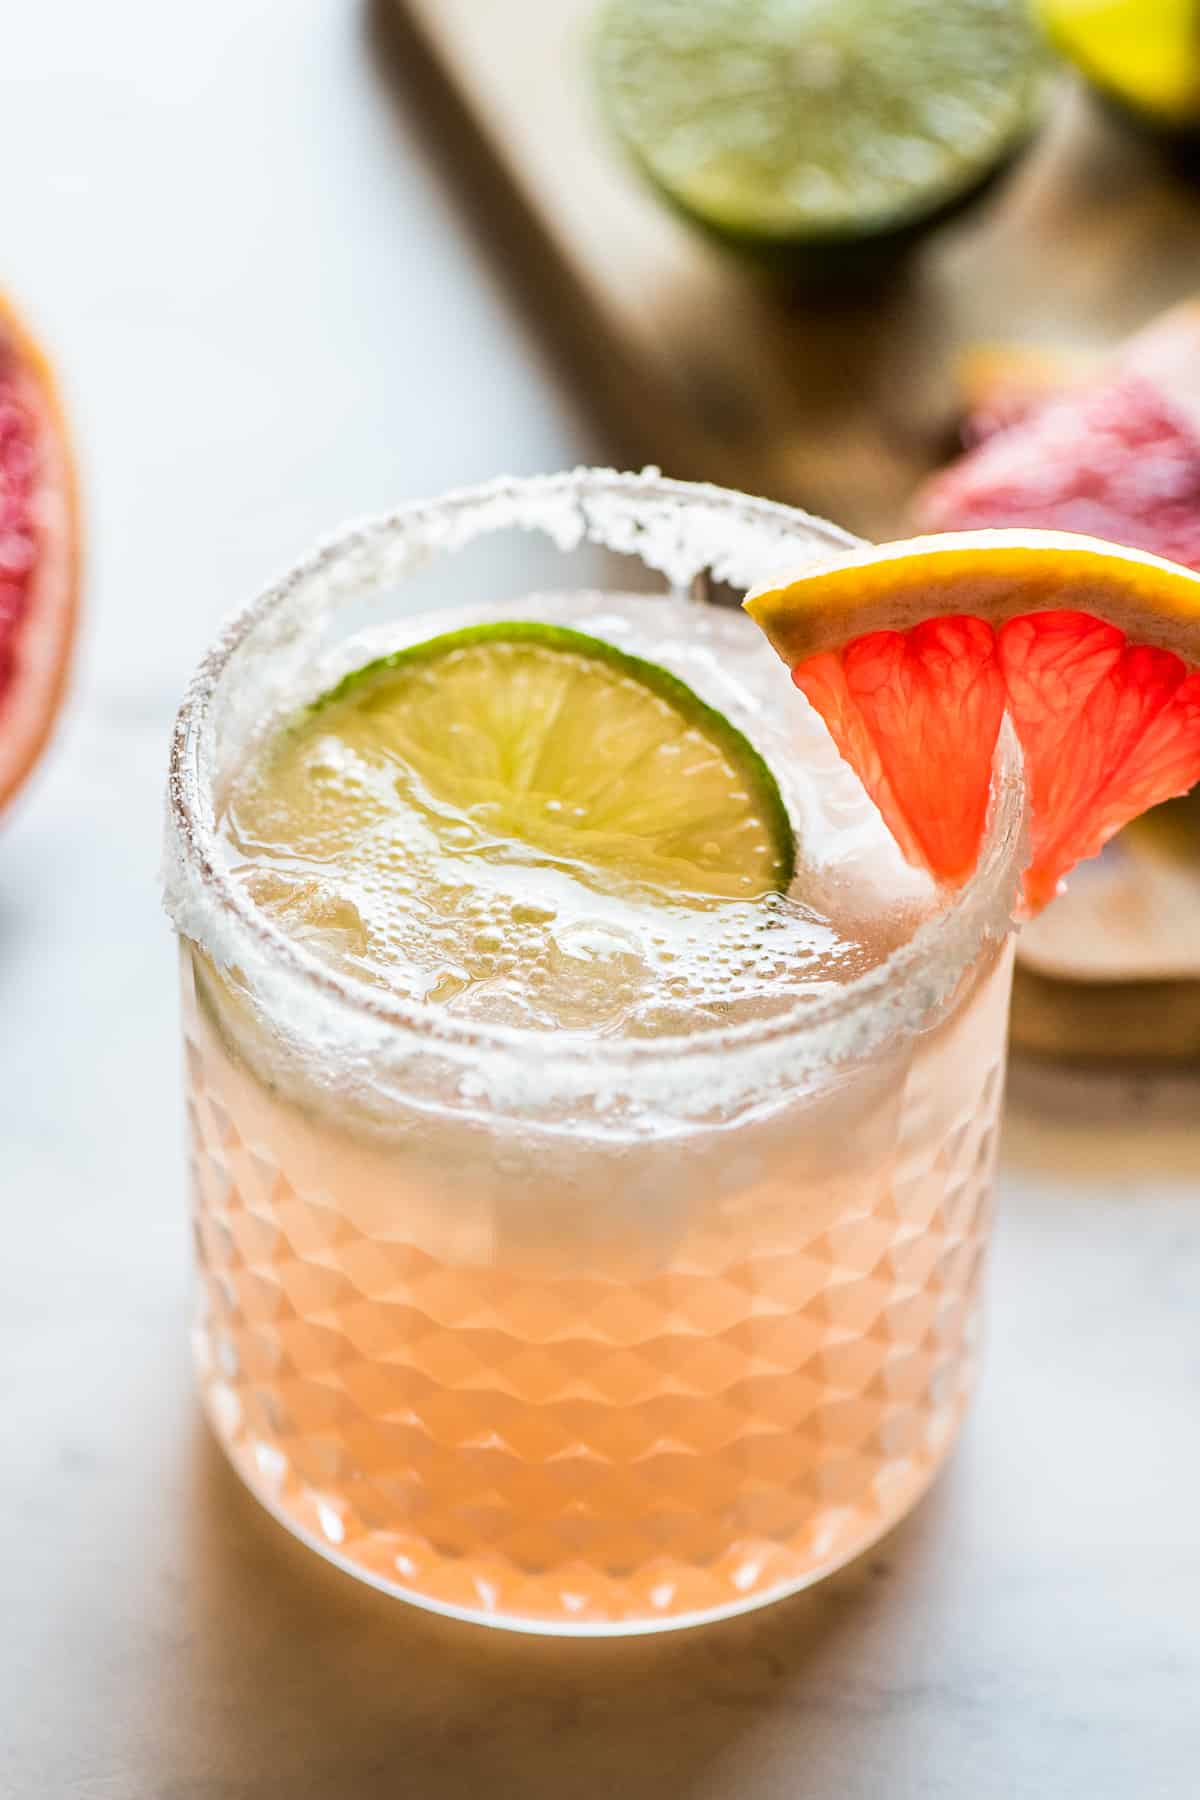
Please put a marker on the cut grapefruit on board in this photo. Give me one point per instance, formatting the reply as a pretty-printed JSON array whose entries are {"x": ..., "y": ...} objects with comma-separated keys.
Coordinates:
[
  {"x": 913, "y": 652},
  {"x": 39, "y": 551},
  {"x": 1110, "y": 450}
]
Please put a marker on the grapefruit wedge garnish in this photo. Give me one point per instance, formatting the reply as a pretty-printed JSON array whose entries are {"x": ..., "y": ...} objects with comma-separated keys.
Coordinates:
[
  {"x": 912, "y": 653},
  {"x": 38, "y": 551}
]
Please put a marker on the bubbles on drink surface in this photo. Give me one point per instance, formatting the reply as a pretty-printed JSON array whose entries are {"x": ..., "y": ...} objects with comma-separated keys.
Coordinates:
[{"x": 354, "y": 857}]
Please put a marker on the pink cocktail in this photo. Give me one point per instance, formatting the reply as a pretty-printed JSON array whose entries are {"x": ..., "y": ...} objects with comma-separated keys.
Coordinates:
[{"x": 624, "y": 1271}]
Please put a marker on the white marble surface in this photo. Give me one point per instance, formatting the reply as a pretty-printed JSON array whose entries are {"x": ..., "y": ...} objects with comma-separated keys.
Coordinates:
[{"x": 270, "y": 313}]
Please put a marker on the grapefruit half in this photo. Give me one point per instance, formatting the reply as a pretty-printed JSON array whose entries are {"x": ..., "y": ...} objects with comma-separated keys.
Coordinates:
[
  {"x": 1113, "y": 451},
  {"x": 39, "y": 551},
  {"x": 912, "y": 653}
]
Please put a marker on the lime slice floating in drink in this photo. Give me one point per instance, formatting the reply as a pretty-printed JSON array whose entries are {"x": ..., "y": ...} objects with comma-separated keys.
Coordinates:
[
  {"x": 559, "y": 741},
  {"x": 819, "y": 133}
]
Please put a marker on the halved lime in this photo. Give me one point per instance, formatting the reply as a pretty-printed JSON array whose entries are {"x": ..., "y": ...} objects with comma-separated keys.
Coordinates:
[
  {"x": 786, "y": 126},
  {"x": 563, "y": 743}
]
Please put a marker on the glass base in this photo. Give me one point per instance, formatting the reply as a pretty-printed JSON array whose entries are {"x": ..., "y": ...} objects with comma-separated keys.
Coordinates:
[{"x": 243, "y": 1462}]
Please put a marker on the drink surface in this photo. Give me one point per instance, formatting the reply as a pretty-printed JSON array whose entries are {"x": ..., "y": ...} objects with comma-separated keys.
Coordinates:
[{"x": 347, "y": 848}]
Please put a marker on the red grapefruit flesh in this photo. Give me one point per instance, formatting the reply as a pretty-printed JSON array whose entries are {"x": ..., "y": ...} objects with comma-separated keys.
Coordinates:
[
  {"x": 39, "y": 555},
  {"x": 1114, "y": 453},
  {"x": 903, "y": 709},
  {"x": 1115, "y": 462},
  {"x": 912, "y": 653}
]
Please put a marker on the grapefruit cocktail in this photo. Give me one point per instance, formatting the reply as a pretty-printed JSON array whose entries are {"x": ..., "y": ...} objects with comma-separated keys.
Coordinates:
[{"x": 593, "y": 1084}]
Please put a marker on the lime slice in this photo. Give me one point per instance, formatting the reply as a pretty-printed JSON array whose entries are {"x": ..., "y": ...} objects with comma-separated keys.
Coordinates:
[
  {"x": 559, "y": 741},
  {"x": 1145, "y": 53},
  {"x": 779, "y": 124}
]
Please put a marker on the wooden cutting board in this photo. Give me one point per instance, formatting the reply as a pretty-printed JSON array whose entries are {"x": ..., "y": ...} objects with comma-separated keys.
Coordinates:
[
  {"x": 839, "y": 407},
  {"x": 843, "y": 406}
]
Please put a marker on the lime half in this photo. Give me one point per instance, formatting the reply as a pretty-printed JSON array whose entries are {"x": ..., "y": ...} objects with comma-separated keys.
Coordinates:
[
  {"x": 556, "y": 740},
  {"x": 782, "y": 125}
]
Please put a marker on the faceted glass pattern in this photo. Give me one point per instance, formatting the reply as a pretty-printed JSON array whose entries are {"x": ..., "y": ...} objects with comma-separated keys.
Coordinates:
[{"x": 578, "y": 1452}]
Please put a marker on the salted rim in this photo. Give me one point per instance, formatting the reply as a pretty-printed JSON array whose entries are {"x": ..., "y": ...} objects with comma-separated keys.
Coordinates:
[{"x": 569, "y": 508}]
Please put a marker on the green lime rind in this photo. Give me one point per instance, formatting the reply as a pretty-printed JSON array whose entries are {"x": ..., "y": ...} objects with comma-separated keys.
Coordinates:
[
  {"x": 763, "y": 800},
  {"x": 817, "y": 126},
  {"x": 837, "y": 263}
]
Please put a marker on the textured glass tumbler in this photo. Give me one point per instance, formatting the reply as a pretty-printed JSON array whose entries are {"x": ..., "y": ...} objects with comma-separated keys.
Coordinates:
[{"x": 565, "y": 1335}]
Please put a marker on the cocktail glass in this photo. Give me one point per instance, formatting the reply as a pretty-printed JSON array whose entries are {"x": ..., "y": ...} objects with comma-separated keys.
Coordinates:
[{"x": 562, "y": 1333}]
